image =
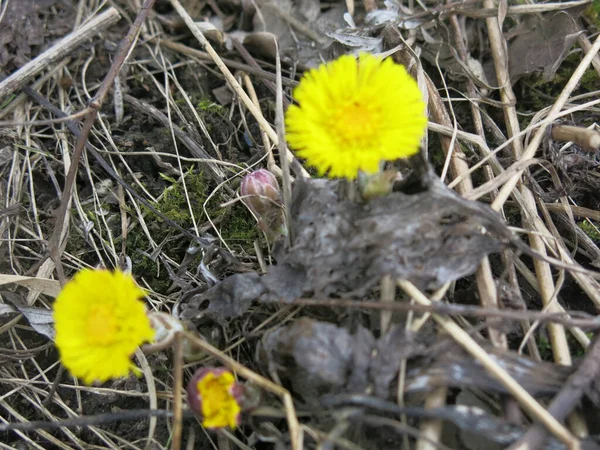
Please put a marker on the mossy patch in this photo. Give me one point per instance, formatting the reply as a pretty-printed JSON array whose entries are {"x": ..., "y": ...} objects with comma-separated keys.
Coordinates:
[
  {"x": 592, "y": 13},
  {"x": 236, "y": 225},
  {"x": 591, "y": 230},
  {"x": 206, "y": 106},
  {"x": 537, "y": 93},
  {"x": 240, "y": 228}
]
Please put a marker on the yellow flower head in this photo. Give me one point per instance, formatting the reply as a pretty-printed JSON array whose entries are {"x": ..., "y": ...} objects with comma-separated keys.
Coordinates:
[
  {"x": 352, "y": 114},
  {"x": 213, "y": 394},
  {"x": 100, "y": 320}
]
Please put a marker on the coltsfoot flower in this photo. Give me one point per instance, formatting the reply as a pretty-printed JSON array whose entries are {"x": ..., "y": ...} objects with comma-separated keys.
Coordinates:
[
  {"x": 100, "y": 320},
  {"x": 354, "y": 113},
  {"x": 215, "y": 396}
]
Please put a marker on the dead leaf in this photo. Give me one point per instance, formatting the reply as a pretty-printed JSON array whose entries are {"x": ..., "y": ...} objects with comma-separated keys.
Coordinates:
[
  {"x": 319, "y": 357},
  {"x": 211, "y": 32},
  {"x": 357, "y": 41},
  {"x": 454, "y": 368},
  {"x": 40, "y": 319},
  {"x": 230, "y": 298},
  {"x": 544, "y": 45},
  {"x": 299, "y": 28},
  {"x": 44, "y": 285},
  {"x": 342, "y": 247},
  {"x": 428, "y": 237}
]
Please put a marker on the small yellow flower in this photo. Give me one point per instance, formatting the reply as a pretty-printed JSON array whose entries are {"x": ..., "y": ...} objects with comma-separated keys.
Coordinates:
[
  {"x": 352, "y": 114},
  {"x": 100, "y": 320},
  {"x": 213, "y": 393}
]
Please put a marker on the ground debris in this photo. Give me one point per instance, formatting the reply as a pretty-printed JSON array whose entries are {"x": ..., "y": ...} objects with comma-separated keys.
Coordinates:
[
  {"x": 318, "y": 357},
  {"x": 343, "y": 247},
  {"x": 457, "y": 369},
  {"x": 542, "y": 44},
  {"x": 22, "y": 28}
]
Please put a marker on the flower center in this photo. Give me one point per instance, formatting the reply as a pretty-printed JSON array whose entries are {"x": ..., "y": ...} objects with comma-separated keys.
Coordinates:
[
  {"x": 356, "y": 125},
  {"x": 101, "y": 325}
]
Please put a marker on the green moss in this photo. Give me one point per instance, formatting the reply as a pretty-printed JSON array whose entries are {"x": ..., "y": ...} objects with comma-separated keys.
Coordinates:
[
  {"x": 236, "y": 225},
  {"x": 593, "y": 13},
  {"x": 76, "y": 244},
  {"x": 590, "y": 230},
  {"x": 239, "y": 228},
  {"x": 7, "y": 101},
  {"x": 575, "y": 347},
  {"x": 206, "y": 106},
  {"x": 535, "y": 93},
  {"x": 545, "y": 349},
  {"x": 173, "y": 204},
  {"x": 589, "y": 81}
]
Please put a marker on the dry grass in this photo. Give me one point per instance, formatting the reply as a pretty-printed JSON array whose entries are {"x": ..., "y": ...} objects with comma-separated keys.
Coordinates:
[{"x": 155, "y": 192}]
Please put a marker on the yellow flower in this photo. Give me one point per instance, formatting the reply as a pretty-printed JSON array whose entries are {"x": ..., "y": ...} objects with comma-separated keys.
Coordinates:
[
  {"x": 100, "y": 320},
  {"x": 352, "y": 114},
  {"x": 213, "y": 394}
]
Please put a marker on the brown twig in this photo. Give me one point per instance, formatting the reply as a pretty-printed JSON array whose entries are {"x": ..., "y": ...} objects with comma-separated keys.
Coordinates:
[
  {"x": 54, "y": 243},
  {"x": 177, "y": 392},
  {"x": 568, "y": 398},
  {"x": 572, "y": 319},
  {"x": 585, "y": 138}
]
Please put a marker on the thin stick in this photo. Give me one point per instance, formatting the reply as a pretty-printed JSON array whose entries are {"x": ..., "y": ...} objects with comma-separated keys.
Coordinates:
[
  {"x": 204, "y": 56},
  {"x": 567, "y": 399},
  {"x": 230, "y": 78},
  {"x": 537, "y": 138},
  {"x": 285, "y": 166},
  {"x": 54, "y": 243},
  {"x": 572, "y": 319},
  {"x": 535, "y": 410},
  {"x": 99, "y": 419},
  {"x": 177, "y": 391},
  {"x": 62, "y": 48},
  {"x": 271, "y": 164},
  {"x": 584, "y": 137}
]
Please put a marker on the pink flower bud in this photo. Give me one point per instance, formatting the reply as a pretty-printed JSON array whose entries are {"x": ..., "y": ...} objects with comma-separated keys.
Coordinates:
[
  {"x": 215, "y": 396},
  {"x": 261, "y": 194}
]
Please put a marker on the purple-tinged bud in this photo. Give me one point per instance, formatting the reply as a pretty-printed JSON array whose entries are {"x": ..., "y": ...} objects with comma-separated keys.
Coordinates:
[
  {"x": 261, "y": 194},
  {"x": 215, "y": 396},
  {"x": 260, "y": 191}
]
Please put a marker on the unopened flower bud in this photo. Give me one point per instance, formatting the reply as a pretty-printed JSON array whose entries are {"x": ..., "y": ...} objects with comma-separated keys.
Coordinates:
[
  {"x": 215, "y": 396},
  {"x": 260, "y": 191},
  {"x": 261, "y": 194}
]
